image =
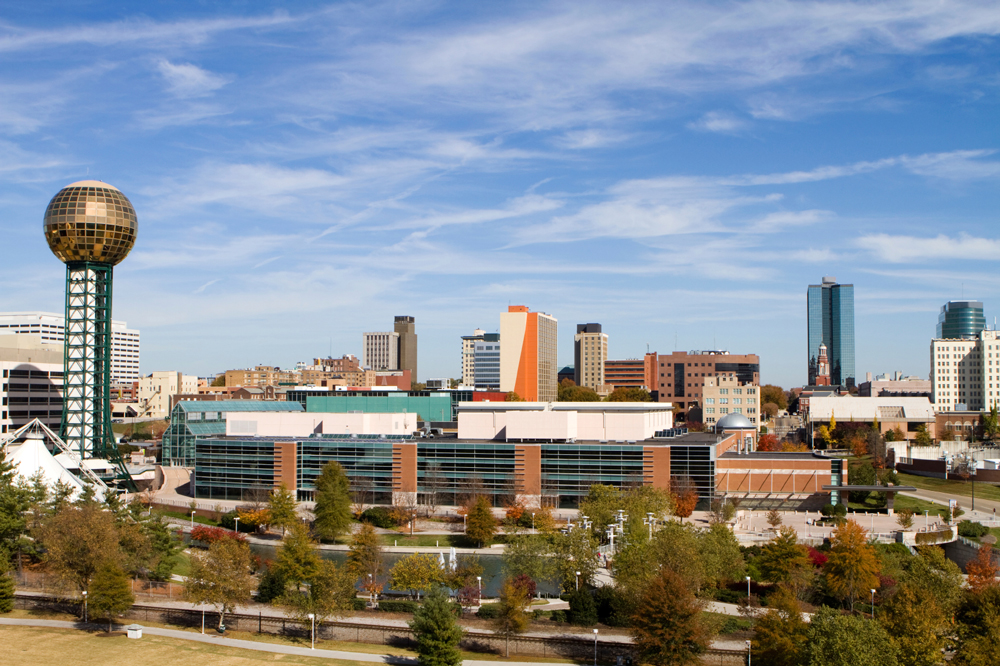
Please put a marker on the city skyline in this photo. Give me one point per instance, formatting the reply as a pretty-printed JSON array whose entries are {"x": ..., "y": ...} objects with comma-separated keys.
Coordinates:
[{"x": 303, "y": 173}]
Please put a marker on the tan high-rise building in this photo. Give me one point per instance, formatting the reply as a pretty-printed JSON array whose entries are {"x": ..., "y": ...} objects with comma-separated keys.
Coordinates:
[
  {"x": 405, "y": 328},
  {"x": 966, "y": 372},
  {"x": 725, "y": 394},
  {"x": 529, "y": 356},
  {"x": 469, "y": 356},
  {"x": 381, "y": 351},
  {"x": 590, "y": 351}
]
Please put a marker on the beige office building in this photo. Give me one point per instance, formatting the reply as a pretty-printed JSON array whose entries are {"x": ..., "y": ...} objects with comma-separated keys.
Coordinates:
[
  {"x": 261, "y": 375},
  {"x": 723, "y": 395},
  {"x": 966, "y": 372},
  {"x": 381, "y": 350},
  {"x": 469, "y": 356},
  {"x": 155, "y": 391},
  {"x": 590, "y": 351}
]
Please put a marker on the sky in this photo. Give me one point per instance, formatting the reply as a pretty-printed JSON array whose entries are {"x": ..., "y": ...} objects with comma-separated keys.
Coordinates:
[{"x": 678, "y": 172}]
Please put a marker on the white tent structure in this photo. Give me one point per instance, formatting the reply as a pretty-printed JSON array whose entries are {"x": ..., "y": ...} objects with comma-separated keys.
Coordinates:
[{"x": 26, "y": 449}]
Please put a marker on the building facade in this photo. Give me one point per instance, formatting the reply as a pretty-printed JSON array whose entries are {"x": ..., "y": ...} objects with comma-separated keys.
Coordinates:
[
  {"x": 830, "y": 319},
  {"x": 529, "y": 356},
  {"x": 381, "y": 350},
  {"x": 590, "y": 351},
  {"x": 31, "y": 382},
  {"x": 155, "y": 391},
  {"x": 469, "y": 356},
  {"x": 51, "y": 328},
  {"x": 682, "y": 375},
  {"x": 966, "y": 372},
  {"x": 961, "y": 320},
  {"x": 261, "y": 375},
  {"x": 405, "y": 327},
  {"x": 486, "y": 362},
  {"x": 725, "y": 395}
]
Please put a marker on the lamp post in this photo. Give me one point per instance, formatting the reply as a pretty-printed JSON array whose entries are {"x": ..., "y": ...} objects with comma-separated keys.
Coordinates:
[
  {"x": 479, "y": 580},
  {"x": 748, "y": 652},
  {"x": 312, "y": 619},
  {"x": 595, "y": 647},
  {"x": 237, "y": 524},
  {"x": 203, "y": 618},
  {"x": 873, "y": 603},
  {"x": 532, "y": 521},
  {"x": 577, "y": 581},
  {"x": 413, "y": 519},
  {"x": 85, "y": 606},
  {"x": 748, "y": 588},
  {"x": 650, "y": 520},
  {"x": 926, "y": 513},
  {"x": 611, "y": 535},
  {"x": 192, "y": 518}
]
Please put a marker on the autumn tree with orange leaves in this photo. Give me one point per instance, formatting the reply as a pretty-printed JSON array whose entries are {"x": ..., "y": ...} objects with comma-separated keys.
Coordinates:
[
  {"x": 685, "y": 496},
  {"x": 852, "y": 567},
  {"x": 768, "y": 442},
  {"x": 982, "y": 570}
]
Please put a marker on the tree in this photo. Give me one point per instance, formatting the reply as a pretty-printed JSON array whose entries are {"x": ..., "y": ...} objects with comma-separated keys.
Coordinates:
[
  {"x": 282, "y": 507},
  {"x": 528, "y": 556},
  {"x": 667, "y": 622},
  {"x": 297, "y": 560},
  {"x": 480, "y": 524},
  {"x": 774, "y": 394},
  {"x": 852, "y": 566},
  {"x": 904, "y": 518},
  {"x": 434, "y": 483},
  {"x": 781, "y": 635},
  {"x": 221, "y": 577},
  {"x": 416, "y": 573},
  {"x": 685, "y": 496},
  {"x": 932, "y": 571},
  {"x": 582, "y": 609},
  {"x": 365, "y": 559},
  {"x": 571, "y": 552},
  {"x": 512, "y": 618},
  {"x": 570, "y": 392},
  {"x": 774, "y": 518},
  {"x": 978, "y": 628},
  {"x": 220, "y": 380},
  {"x": 982, "y": 570},
  {"x": 629, "y": 394},
  {"x": 915, "y": 625},
  {"x": 991, "y": 424},
  {"x": 784, "y": 560},
  {"x": 848, "y": 640},
  {"x": 923, "y": 438},
  {"x": 513, "y": 397},
  {"x": 721, "y": 558},
  {"x": 110, "y": 592},
  {"x": 6, "y": 588},
  {"x": 436, "y": 631},
  {"x": 328, "y": 592},
  {"x": 333, "y": 502},
  {"x": 769, "y": 442},
  {"x": 78, "y": 541}
]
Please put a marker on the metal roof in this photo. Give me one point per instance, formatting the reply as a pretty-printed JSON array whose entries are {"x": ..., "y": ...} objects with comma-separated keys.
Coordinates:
[{"x": 240, "y": 406}]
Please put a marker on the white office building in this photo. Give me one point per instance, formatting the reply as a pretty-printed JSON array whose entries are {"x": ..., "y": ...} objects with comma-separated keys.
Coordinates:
[
  {"x": 381, "y": 351},
  {"x": 31, "y": 382},
  {"x": 51, "y": 326},
  {"x": 966, "y": 372}
]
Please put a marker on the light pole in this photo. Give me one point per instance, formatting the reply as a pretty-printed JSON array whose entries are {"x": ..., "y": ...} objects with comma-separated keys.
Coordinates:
[
  {"x": 413, "y": 519},
  {"x": 748, "y": 652},
  {"x": 203, "y": 618},
  {"x": 237, "y": 524},
  {"x": 650, "y": 521},
  {"x": 873, "y": 603},
  {"x": 192, "y": 518},
  {"x": 748, "y": 588},
  {"x": 611, "y": 535},
  {"x": 312, "y": 618},
  {"x": 371, "y": 588},
  {"x": 85, "y": 606},
  {"x": 577, "y": 581},
  {"x": 595, "y": 647},
  {"x": 926, "y": 513},
  {"x": 479, "y": 580},
  {"x": 532, "y": 521}
]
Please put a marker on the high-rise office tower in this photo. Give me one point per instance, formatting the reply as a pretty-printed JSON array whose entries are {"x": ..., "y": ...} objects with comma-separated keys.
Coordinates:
[
  {"x": 960, "y": 320},
  {"x": 590, "y": 351},
  {"x": 830, "y": 308},
  {"x": 487, "y": 362},
  {"x": 405, "y": 328},
  {"x": 469, "y": 356},
  {"x": 528, "y": 357},
  {"x": 381, "y": 351}
]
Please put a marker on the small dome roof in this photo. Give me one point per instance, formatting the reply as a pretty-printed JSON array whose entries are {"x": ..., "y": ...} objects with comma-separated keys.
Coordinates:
[{"x": 734, "y": 421}]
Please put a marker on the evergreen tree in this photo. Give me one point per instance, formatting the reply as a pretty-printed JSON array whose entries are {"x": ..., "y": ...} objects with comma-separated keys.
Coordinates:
[
  {"x": 365, "y": 559},
  {"x": 6, "y": 588},
  {"x": 668, "y": 625},
  {"x": 436, "y": 631},
  {"x": 784, "y": 560},
  {"x": 110, "y": 592},
  {"x": 271, "y": 586},
  {"x": 333, "y": 502},
  {"x": 281, "y": 506},
  {"x": 480, "y": 524},
  {"x": 582, "y": 609}
]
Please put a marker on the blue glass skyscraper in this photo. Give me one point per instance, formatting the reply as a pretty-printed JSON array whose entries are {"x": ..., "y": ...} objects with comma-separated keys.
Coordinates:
[
  {"x": 961, "y": 320},
  {"x": 831, "y": 321}
]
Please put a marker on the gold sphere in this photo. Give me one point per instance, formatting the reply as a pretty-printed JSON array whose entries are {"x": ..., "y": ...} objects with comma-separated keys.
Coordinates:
[{"x": 90, "y": 221}]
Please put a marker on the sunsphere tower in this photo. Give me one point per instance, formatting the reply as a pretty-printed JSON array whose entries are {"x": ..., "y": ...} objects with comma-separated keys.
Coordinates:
[{"x": 90, "y": 226}]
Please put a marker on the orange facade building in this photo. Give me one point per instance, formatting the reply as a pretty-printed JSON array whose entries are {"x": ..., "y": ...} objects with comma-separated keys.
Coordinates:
[{"x": 528, "y": 355}]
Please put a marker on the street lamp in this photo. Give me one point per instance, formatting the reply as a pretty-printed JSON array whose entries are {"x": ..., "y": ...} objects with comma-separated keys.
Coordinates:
[
  {"x": 650, "y": 520},
  {"x": 532, "y": 520},
  {"x": 748, "y": 653},
  {"x": 237, "y": 524},
  {"x": 479, "y": 580},
  {"x": 748, "y": 588},
  {"x": 203, "y": 617},
  {"x": 84, "y": 606},
  {"x": 192, "y": 518},
  {"x": 873, "y": 603},
  {"x": 595, "y": 647},
  {"x": 926, "y": 513},
  {"x": 577, "y": 581},
  {"x": 312, "y": 618}
]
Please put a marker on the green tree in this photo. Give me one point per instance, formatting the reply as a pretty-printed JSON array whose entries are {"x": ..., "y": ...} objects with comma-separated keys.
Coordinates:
[
  {"x": 480, "y": 523},
  {"x": 110, "y": 592},
  {"x": 864, "y": 475},
  {"x": 221, "y": 577},
  {"x": 848, "y": 640},
  {"x": 417, "y": 572},
  {"x": 852, "y": 567},
  {"x": 571, "y": 552},
  {"x": 991, "y": 424},
  {"x": 436, "y": 631},
  {"x": 923, "y": 438},
  {"x": 513, "y": 397},
  {"x": 328, "y": 593},
  {"x": 528, "y": 555},
  {"x": 281, "y": 506},
  {"x": 979, "y": 628},
  {"x": 15, "y": 500},
  {"x": 784, "y": 560},
  {"x": 915, "y": 625},
  {"x": 781, "y": 635},
  {"x": 365, "y": 559},
  {"x": 333, "y": 502},
  {"x": 773, "y": 394},
  {"x": 721, "y": 558},
  {"x": 219, "y": 381},
  {"x": 512, "y": 617},
  {"x": 570, "y": 392},
  {"x": 629, "y": 394},
  {"x": 932, "y": 571},
  {"x": 78, "y": 541},
  {"x": 297, "y": 559},
  {"x": 6, "y": 588},
  {"x": 668, "y": 625},
  {"x": 582, "y": 608}
]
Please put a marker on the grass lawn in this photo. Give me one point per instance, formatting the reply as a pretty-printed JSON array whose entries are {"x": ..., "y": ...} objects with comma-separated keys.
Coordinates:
[
  {"x": 183, "y": 515},
  {"x": 917, "y": 506},
  {"x": 960, "y": 488},
  {"x": 183, "y": 565},
  {"x": 428, "y": 540}
]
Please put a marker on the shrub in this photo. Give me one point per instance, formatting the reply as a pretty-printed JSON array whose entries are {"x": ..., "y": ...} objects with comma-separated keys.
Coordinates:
[
  {"x": 272, "y": 584},
  {"x": 491, "y": 611},
  {"x": 928, "y": 538},
  {"x": 967, "y": 528},
  {"x": 209, "y": 535},
  {"x": 359, "y": 604},
  {"x": 228, "y": 520},
  {"x": 733, "y": 624},
  {"x": 401, "y": 606},
  {"x": 827, "y": 510},
  {"x": 728, "y": 596},
  {"x": 840, "y": 510},
  {"x": 379, "y": 516},
  {"x": 558, "y": 616},
  {"x": 612, "y": 607},
  {"x": 582, "y": 609}
]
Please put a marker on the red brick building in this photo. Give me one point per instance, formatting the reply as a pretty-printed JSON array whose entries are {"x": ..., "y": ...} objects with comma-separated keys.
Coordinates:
[{"x": 681, "y": 375}]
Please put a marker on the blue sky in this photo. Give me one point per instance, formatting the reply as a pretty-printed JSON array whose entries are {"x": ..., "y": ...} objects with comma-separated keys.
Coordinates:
[{"x": 678, "y": 172}]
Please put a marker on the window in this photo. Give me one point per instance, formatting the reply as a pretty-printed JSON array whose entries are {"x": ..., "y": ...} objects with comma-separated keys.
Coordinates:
[{"x": 709, "y": 401}]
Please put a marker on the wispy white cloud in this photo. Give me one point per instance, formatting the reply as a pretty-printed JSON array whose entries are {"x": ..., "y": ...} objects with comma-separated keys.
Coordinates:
[
  {"x": 718, "y": 121},
  {"x": 187, "y": 80},
  {"x": 910, "y": 249}
]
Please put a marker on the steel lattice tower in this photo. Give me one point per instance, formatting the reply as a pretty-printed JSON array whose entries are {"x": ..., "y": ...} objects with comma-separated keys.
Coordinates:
[{"x": 90, "y": 226}]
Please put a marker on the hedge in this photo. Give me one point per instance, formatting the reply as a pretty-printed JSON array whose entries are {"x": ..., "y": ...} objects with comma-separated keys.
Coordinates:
[
  {"x": 489, "y": 611},
  {"x": 402, "y": 606},
  {"x": 967, "y": 528}
]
